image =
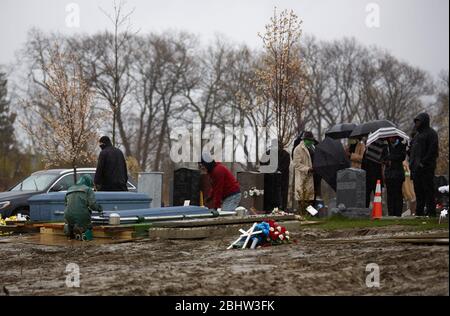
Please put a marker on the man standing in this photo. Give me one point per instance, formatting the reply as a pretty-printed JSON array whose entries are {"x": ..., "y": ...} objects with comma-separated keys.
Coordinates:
[
  {"x": 311, "y": 144},
  {"x": 422, "y": 160},
  {"x": 225, "y": 189},
  {"x": 304, "y": 180},
  {"x": 111, "y": 173}
]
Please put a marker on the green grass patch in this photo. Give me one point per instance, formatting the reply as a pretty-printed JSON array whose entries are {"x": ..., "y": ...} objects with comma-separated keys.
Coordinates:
[{"x": 340, "y": 222}]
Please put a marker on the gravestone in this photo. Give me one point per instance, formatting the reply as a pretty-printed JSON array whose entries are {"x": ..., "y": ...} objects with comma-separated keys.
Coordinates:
[
  {"x": 351, "y": 188},
  {"x": 247, "y": 181},
  {"x": 272, "y": 191},
  {"x": 151, "y": 184},
  {"x": 186, "y": 186}
]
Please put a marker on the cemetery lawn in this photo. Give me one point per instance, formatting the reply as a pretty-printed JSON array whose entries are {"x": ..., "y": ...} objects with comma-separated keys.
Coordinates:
[{"x": 340, "y": 222}]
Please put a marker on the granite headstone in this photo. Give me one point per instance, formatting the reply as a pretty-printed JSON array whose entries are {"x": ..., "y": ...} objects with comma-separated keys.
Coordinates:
[{"x": 351, "y": 188}]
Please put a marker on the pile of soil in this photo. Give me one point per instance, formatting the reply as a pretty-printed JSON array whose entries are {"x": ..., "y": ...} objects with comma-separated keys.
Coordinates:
[{"x": 317, "y": 262}]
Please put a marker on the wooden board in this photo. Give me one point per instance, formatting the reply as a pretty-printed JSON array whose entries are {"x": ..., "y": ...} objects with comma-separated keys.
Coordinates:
[
  {"x": 223, "y": 221},
  {"x": 19, "y": 229},
  {"x": 115, "y": 232},
  {"x": 201, "y": 232}
]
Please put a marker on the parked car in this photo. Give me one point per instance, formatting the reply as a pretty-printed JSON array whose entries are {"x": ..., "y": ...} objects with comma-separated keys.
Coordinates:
[{"x": 15, "y": 200}]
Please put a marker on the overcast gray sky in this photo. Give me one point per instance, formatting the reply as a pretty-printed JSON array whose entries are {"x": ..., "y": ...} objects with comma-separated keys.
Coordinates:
[{"x": 414, "y": 30}]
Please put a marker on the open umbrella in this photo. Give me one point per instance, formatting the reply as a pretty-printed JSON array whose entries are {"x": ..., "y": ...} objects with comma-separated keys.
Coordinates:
[
  {"x": 340, "y": 130},
  {"x": 386, "y": 132},
  {"x": 329, "y": 158},
  {"x": 370, "y": 127}
]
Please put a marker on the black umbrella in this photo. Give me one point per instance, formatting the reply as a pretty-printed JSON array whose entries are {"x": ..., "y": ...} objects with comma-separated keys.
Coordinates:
[
  {"x": 341, "y": 130},
  {"x": 370, "y": 127},
  {"x": 329, "y": 158}
]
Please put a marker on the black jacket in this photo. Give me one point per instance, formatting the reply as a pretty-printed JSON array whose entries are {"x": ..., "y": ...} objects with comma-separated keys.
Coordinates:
[
  {"x": 394, "y": 155},
  {"x": 111, "y": 173},
  {"x": 424, "y": 148}
]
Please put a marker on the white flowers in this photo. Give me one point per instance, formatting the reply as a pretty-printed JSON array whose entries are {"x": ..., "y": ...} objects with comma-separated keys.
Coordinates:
[{"x": 255, "y": 192}]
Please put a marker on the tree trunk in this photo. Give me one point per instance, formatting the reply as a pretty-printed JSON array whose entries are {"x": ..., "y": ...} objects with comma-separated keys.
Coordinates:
[{"x": 74, "y": 174}]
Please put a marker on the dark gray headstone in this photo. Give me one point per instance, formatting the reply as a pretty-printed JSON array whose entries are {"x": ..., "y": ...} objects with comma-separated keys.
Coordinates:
[
  {"x": 186, "y": 186},
  {"x": 248, "y": 180},
  {"x": 351, "y": 188}
]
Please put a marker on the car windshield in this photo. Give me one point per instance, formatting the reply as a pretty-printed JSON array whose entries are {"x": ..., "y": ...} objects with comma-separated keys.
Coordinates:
[{"x": 36, "y": 182}]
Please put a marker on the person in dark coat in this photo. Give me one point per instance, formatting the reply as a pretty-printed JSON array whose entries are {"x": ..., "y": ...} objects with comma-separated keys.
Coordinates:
[
  {"x": 111, "y": 173},
  {"x": 374, "y": 173},
  {"x": 422, "y": 161},
  {"x": 394, "y": 175},
  {"x": 284, "y": 161},
  {"x": 276, "y": 185},
  {"x": 225, "y": 189}
]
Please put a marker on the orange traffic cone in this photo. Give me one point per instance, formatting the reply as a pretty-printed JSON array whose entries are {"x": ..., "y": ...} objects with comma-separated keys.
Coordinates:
[{"x": 377, "y": 211}]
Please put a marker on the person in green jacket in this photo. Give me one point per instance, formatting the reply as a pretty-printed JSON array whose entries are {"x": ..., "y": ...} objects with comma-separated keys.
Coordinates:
[{"x": 80, "y": 202}]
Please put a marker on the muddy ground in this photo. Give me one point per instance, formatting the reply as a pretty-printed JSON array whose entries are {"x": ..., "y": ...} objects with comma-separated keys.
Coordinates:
[{"x": 319, "y": 263}]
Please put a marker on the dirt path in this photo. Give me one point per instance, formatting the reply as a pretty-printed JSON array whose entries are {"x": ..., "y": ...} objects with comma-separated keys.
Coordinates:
[{"x": 204, "y": 267}]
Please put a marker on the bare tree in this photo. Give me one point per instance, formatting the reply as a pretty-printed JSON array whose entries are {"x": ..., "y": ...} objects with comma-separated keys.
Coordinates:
[
  {"x": 393, "y": 90},
  {"x": 112, "y": 78},
  {"x": 163, "y": 64}
]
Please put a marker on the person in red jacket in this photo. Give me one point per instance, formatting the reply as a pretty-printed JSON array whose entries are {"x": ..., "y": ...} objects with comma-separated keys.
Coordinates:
[{"x": 225, "y": 189}]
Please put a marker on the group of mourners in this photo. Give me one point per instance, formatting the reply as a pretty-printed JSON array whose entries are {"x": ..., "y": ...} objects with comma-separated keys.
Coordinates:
[{"x": 405, "y": 169}]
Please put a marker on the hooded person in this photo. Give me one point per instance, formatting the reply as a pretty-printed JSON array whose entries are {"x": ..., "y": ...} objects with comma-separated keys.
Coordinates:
[
  {"x": 225, "y": 189},
  {"x": 111, "y": 173},
  {"x": 304, "y": 179},
  {"x": 79, "y": 204},
  {"x": 422, "y": 162}
]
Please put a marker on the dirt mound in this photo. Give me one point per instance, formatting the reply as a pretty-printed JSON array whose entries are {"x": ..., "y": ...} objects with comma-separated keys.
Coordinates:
[{"x": 204, "y": 267}]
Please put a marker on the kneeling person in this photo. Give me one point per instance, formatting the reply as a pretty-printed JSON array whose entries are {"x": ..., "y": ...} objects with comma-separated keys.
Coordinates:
[
  {"x": 225, "y": 189},
  {"x": 80, "y": 202}
]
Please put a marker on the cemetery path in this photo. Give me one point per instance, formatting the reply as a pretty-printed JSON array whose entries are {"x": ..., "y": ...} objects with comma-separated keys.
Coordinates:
[{"x": 319, "y": 263}]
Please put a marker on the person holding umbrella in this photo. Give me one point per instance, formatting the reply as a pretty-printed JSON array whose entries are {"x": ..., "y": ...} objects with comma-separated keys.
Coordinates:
[{"x": 393, "y": 156}]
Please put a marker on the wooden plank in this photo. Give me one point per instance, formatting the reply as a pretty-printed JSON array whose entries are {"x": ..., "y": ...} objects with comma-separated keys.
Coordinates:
[
  {"x": 115, "y": 232},
  {"x": 425, "y": 241},
  {"x": 207, "y": 231},
  {"x": 19, "y": 229},
  {"x": 223, "y": 221}
]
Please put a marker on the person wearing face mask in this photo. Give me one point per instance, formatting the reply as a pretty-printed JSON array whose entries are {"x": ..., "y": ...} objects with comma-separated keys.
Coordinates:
[
  {"x": 394, "y": 176},
  {"x": 111, "y": 173},
  {"x": 304, "y": 179}
]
